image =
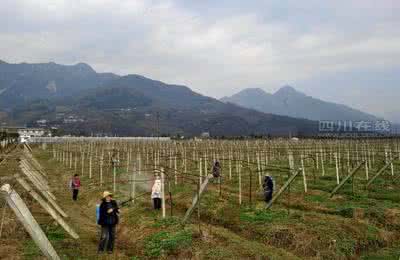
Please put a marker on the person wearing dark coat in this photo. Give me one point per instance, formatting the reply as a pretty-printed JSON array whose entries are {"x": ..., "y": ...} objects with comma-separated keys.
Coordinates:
[
  {"x": 216, "y": 170},
  {"x": 268, "y": 187},
  {"x": 108, "y": 219}
]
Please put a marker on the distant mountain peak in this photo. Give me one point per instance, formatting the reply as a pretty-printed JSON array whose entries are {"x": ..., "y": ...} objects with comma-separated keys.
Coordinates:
[
  {"x": 253, "y": 95},
  {"x": 288, "y": 90},
  {"x": 288, "y": 101},
  {"x": 253, "y": 91},
  {"x": 83, "y": 66},
  {"x": 3, "y": 62},
  {"x": 46, "y": 80},
  {"x": 136, "y": 76}
]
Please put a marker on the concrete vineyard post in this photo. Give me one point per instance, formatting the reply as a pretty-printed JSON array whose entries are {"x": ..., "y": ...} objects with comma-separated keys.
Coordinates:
[
  {"x": 175, "y": 170},
  {"x": 82, "y": 162},
  {"x": 163, "y": 192},
  {"x": 230, "y": 166},
  {"x": 70, "y": 160},
  {"x": 345, "y": 179},
  {"x": 75, "y": 163},
  {"x": 127, "y": 162},
  {"x": 391, "y": 164},
  {"x": 185, "y": 161},
  {"x": 101, "y": 167},
  {"x": 22, "y": 212},
  {"x": 283, "y": 188},
  {"x": 47, "y": 207},
  {"x": 369, "y": 159},
  {"x": 337, "y": 168},
  {"x": 304, "y": 173},
  {"x": 348, "y": 161},
  {"x": 291, "y": 161},
  {"x": 114, "y": 176},
  {"x": 133, "y": 184},
  {"x": 200, "y": 170},
  {"x": 259, "y": 170},
  {"x": 322, "y": 164},
  {"x": 170, "y": 158},
  {"x": 240, "y": 182},
  {"x": 90, "y": 165}
]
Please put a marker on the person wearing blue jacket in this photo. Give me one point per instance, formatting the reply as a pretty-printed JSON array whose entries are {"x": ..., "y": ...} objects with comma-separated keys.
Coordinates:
[{"x": 108, "y": 219}]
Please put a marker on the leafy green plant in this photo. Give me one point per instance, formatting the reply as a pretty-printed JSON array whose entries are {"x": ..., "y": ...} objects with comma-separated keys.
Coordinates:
[
  {"x": 345, "y": 212},
  {"x": 345, "y": 246},
  {"x": 166, "y": 222},
  {"x": 55, "y": 234}
]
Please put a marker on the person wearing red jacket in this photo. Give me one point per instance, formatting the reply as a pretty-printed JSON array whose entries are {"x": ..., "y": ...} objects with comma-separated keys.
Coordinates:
[{"x": 75, "y": 184}]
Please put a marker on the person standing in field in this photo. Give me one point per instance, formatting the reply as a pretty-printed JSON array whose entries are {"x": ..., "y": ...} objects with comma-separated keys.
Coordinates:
[
  {"x": 156, "y": 193},
  {"x": 108, "y": 219},
  {"x": 75, "y": 184},
  {"x": 268, "y": 187},
  {"x": 216, "y": 172}
]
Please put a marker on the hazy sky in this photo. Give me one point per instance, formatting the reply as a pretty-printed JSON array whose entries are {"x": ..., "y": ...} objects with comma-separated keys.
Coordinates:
[{"x": 345, "y": 51}]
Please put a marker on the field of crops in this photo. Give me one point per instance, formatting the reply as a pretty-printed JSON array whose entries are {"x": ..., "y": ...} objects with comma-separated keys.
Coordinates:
[{"x": 333, "y": 199}]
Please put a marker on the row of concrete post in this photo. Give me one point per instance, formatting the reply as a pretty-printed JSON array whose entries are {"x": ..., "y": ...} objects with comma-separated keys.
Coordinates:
[{"x": 35, "y": 183}]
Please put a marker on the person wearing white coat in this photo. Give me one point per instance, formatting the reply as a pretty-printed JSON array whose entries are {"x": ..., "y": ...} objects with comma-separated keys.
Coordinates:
[{"x": 156, "y": 193}]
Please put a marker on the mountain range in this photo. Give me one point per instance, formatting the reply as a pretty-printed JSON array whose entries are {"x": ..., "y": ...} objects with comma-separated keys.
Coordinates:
[
  {"x": 78, "y": 100},
  {"x": 288, "y": 101},
  {"x": 24, "y": 82}
]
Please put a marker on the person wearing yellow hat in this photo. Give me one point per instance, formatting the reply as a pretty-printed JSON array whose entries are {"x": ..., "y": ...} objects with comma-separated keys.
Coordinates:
[{"x": 108, "y": 219}]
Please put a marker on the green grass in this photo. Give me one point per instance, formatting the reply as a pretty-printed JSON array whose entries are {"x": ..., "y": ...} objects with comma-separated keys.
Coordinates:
[
  {"x": 166, "y": 222},
  {"x": 220, "y": 253},
  {"x": 263, "y": 216},
  {"x": 345, "y": 246},
  {"x": 164, "y": 243},
  {"x": 384, "y": 254},
  {"x": 316, "y": 198},
  {"x": 53, "y": 233},
  {"x": 31, "y": 251}
]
